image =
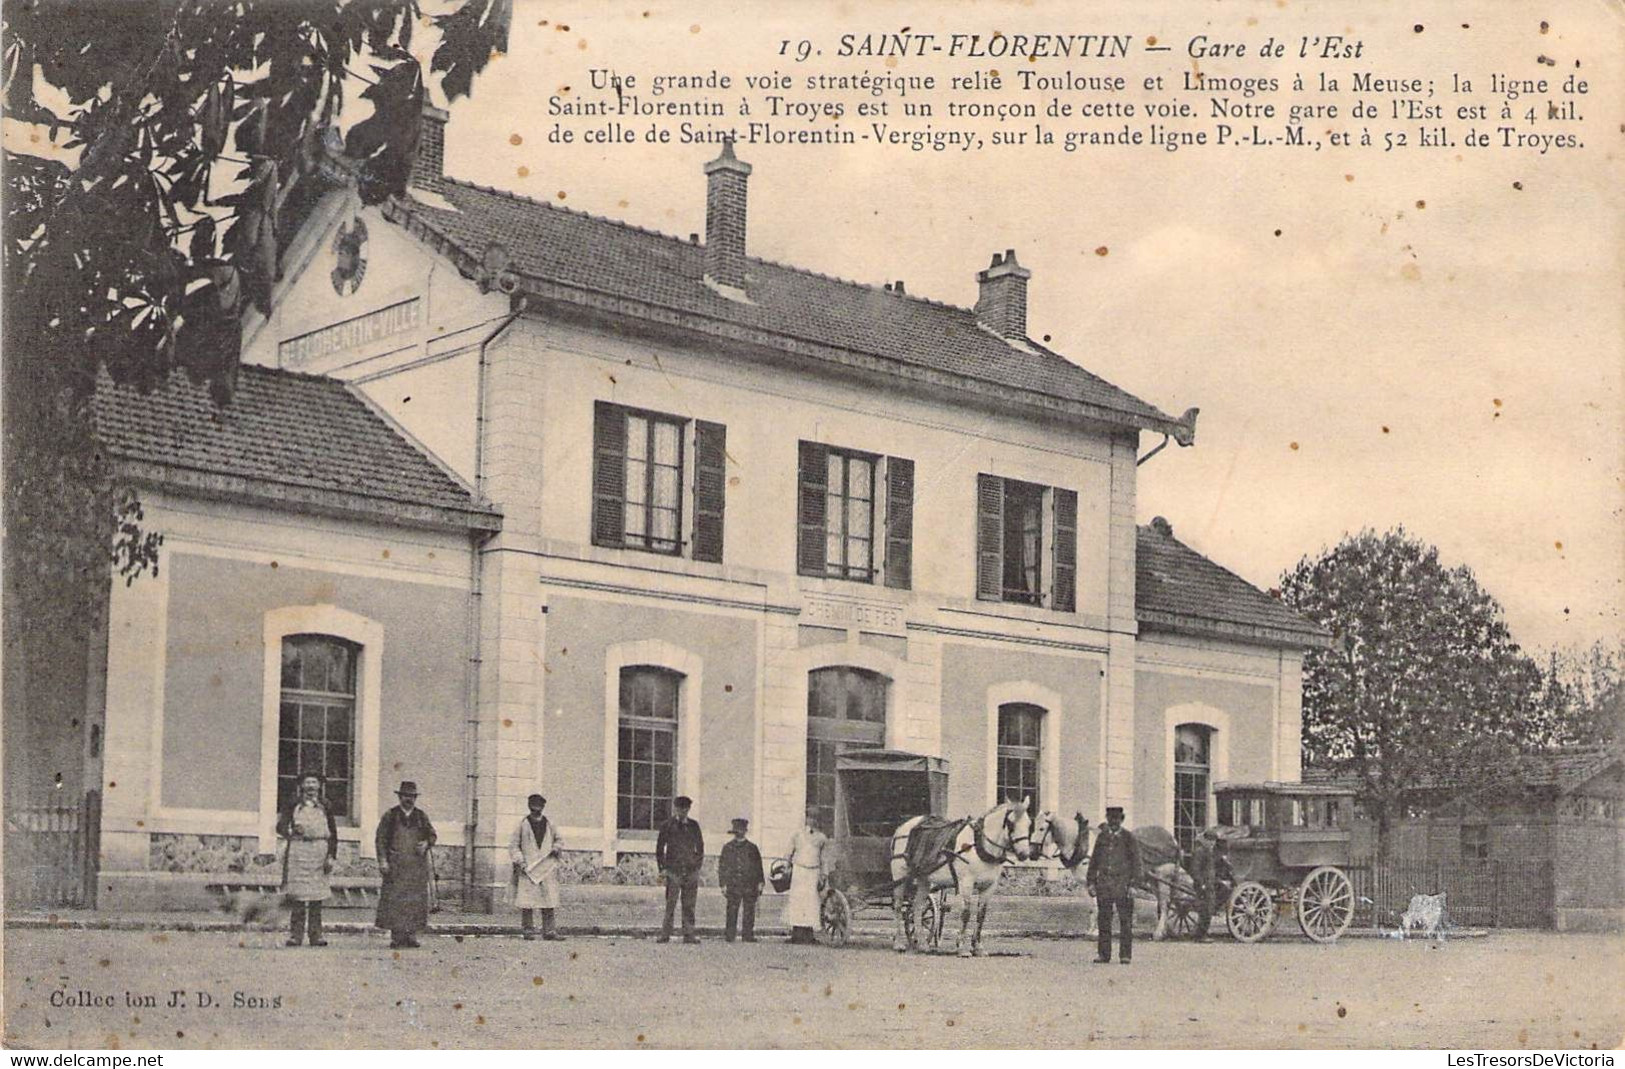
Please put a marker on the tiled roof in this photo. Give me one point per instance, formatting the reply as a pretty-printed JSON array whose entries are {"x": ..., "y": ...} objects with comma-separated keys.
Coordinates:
[
  {"x": 590, "y": 255},
  {"x": 1568, "y": 767},
  {"x": 1177, "y": 588},
  {"x": 297, "y": 439}
]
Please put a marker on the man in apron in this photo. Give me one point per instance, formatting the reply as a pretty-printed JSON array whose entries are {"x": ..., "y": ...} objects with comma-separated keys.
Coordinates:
[
  {"x": 534, "y": 849},
  {"x": 313, "y": 844},
  {"x": 404, "y": 840}
]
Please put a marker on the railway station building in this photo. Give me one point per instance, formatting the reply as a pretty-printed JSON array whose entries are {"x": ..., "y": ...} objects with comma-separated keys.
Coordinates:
[{"x": 514, "y": 498}]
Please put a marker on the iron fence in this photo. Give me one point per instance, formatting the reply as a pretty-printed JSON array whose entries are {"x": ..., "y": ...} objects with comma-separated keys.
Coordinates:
[
  {"x": 1479, "y": 894},
  {"x": 51, "y": 852}
]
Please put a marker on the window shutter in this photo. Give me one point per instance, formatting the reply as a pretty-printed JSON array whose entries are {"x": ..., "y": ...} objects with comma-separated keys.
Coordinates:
[
  {"x": 899, "y": 523},
  {"x": 608, "y": 474},
  {"x": 989, "y": 538},
  {"x": 812, "y": 482},
  {"x": 1066, "y": 551},
  {"x": 710, "y": 489}
]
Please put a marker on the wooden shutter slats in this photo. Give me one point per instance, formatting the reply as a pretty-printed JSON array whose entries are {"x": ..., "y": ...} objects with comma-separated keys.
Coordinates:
[
  {"x": 1066, "y": 551},
  {"x": 989, "y": 538},
  {"x": 812, "y": 483},
  {"x": 899, "y": 523},
  {"x": 710, "y": 489},
  {"x": 608, "y": 474}
]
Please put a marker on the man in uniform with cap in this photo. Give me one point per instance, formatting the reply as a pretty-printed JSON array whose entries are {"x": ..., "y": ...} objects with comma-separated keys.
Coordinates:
[
  {"x": 404, "y": 840},
  {"x": 679, "y": 851},
  {"x": 1113, "y": 868},
  {"x": 739, "y": 870},
  {"x": 534, "y": 849}
]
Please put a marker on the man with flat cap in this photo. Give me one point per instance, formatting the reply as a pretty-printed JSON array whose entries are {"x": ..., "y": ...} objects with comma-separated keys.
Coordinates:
[
  {"x": 534, "y": 850},
  {"x": 739, "y": 870},
  {"x": 679, "y": 851},
  {"x": 1113, "y": 868},
  {"x": 404, "y": 840}
]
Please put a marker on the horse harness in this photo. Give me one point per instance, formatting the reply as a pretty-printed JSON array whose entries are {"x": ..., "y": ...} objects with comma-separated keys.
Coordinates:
[
  {"x": 956, "y": 856},
  {"x": 1080, "y": 854}
]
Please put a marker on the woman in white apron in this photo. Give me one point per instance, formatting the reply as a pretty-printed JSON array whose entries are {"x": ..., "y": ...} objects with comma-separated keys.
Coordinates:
[
  {"x": 313, "y": 843},
  {"x": 806, "y": 867}
]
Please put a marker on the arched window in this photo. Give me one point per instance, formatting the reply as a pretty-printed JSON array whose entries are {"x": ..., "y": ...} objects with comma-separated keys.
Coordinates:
[
  {"x": 647, "y": 756},
  {"x": 846, "y": 709},
  {"x": 1021, "y": 742},
  {"x": 316, "y": 728},
  {"x": 1193, "y": 773}
]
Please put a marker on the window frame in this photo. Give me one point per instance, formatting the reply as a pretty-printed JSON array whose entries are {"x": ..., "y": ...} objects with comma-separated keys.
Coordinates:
[
  {"x": 670, "y": 727},
  {"x": 1052, "y": 535},
  {"x": 1027, "y": 754},
  {"x": 1191, "y": 806},
  {"x": 844, "y": 570},
  {"x": 1475, "y": 840},
  {"x": 828, "y": 736},
  {"x": 644, "y": 541},
  {"x": 1037, "y": 498},
  {"x": 327, "y": 700}
]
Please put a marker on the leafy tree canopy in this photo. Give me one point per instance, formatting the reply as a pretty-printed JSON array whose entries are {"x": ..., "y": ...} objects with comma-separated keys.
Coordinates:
[{"x": 1423, "y": 680}]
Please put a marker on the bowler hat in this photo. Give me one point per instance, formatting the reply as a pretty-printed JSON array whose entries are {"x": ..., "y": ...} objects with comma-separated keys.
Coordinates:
[
  {"x": 682, "y": 801},
  {"x": 535, "y": 799},
  {"x": 407, "y": 788},
  {"x": 739, "y": 823}
]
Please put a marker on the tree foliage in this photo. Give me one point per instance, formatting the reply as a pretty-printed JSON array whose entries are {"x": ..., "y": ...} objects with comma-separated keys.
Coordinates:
[
  {"x": 1588, "y": 692},
  {"x": 1423, "y": 681},
  {"x": 176, "y": 140}
]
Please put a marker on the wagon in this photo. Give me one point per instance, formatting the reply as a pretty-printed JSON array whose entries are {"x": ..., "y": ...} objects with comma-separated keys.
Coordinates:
[
  {"x": 875, "y": 791},
  {"x": 1286, "y": 844}
]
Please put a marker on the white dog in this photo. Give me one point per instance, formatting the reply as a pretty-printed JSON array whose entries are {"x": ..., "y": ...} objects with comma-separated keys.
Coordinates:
[{"x": 1427, "y": 913}]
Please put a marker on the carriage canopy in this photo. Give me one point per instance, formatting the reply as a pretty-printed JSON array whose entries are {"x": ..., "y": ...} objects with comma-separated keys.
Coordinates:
[{"x": 880, "y": 789}]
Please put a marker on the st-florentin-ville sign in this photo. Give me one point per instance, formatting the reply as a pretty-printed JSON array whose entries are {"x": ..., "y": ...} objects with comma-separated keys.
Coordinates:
[
  {"x": 311, "y": 346},
  {"x": 873, "y": 616}
]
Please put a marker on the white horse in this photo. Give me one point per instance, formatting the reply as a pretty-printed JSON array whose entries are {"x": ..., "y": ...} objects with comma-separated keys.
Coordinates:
[
  {"x": 1069, "y": 837},
  {"x": 971, "y": 855},
  {"x": 1161, "y": 871}
]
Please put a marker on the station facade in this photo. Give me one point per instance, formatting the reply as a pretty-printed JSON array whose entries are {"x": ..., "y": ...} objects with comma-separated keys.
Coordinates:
[{"x": 526, "y": 499}]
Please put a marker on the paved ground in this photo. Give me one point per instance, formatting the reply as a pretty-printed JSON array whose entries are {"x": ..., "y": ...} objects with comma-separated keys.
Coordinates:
[{"x": 1506, "y": 990}]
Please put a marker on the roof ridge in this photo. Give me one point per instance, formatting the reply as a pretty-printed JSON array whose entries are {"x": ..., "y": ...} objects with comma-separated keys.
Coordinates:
[{"x": 685, "y": 243}]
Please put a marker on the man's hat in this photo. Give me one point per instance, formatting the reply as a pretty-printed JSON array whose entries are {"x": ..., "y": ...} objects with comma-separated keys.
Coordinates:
[
  {"x": 682, "y": 801},
  {"x": 535, "y": 799},
  {"x": 739, "y": 823},
  {"x": 407, "y": 789},
  {"x": 1114, "y": 810}
]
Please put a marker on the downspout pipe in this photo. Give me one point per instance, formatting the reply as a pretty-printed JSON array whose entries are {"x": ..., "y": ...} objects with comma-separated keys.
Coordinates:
[
  {"x": 476, "y": 610},
  {"x": 1184, "y": 433}
]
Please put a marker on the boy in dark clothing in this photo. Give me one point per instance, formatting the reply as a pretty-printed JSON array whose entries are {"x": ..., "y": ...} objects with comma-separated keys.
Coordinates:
[{"x": 739, "y": 869}]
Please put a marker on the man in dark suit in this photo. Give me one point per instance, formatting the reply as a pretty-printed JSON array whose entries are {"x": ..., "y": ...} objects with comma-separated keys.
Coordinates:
[
  {"x": 1113, "y": 868},
  {"x": 739, "y": 870},
  {"x": 679, "y": 851}
]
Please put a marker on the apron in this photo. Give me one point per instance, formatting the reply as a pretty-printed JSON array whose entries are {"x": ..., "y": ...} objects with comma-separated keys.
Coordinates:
[
  {"x": 403, "y": 898},
  {"x": 302, "y": 877},
  {"x": 536, "y": 884},
  {"x": 806, "y": 855}
]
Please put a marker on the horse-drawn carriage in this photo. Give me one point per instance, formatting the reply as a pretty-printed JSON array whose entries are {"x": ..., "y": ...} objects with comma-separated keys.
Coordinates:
[
  {"x": 1285, "y": 844},
  {"x": 875, "y": 792}
]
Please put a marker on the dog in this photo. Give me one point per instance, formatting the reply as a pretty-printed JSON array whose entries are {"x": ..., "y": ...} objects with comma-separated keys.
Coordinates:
[{"x": 1426, "y": 912}]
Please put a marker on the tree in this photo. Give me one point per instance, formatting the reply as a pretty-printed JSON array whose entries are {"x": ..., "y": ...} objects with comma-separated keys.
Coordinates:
[
  {"x": 1422, "y": 682},
  {"x": 199, "y": 126},
  {"x": 1588, "y": 692}
]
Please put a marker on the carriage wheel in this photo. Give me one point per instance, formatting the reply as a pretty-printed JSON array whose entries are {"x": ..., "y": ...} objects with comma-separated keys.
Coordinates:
[
  {"x": 1325, "y": 904},
  {"x": 835, "y": 917},
  {"x": 932, "y": 917},
  {"x": 1182, "y": 918},
  {"x": 1251, "y": 912}
]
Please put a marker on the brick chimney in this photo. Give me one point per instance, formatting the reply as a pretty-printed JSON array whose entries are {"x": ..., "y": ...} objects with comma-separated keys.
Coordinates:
[
  {"x": 429, "y": 162},
  {"x": 726, "y": 177},
  {"x": 1001, "y": 303}
]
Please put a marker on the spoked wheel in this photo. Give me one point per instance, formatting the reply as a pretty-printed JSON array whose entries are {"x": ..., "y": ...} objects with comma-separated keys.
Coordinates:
[
  {"x": 932, "y": 917},
  {"x": 835, "y": 917},
  {"x": 1251, "y": 912},
  {"x": 1182, "y": 918},
  {"x": 1325, "y": 904}
]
